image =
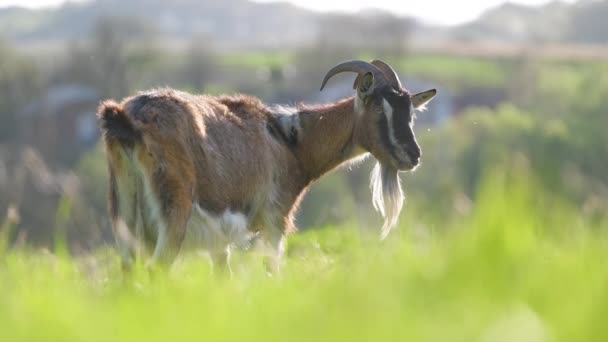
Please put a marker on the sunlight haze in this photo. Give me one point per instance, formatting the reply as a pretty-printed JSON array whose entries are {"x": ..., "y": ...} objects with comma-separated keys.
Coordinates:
[{"x": 431, "y": 11}]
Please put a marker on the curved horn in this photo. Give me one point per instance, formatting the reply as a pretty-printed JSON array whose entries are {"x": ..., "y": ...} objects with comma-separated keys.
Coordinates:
[
  {"x": 389, "y": 72},
  {"x": 357, "y": 66}
]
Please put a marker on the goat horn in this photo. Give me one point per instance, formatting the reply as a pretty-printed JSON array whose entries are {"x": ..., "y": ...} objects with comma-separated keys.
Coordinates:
[
  {"x": 389, "y": 73},
  {"x": 357, "y": 66}
]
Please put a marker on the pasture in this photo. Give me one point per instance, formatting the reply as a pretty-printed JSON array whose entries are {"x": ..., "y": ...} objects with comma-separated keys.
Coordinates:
[
  {"x": 503, "y": 236},
  {"x": 513, "y": 270}
]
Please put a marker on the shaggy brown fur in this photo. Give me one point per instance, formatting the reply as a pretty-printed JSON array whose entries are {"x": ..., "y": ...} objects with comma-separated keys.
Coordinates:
[{"x": 218, "y": 153}]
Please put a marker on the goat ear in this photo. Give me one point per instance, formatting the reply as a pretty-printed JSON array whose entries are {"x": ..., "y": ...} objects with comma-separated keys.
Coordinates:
[
  {"x": 364, "y": 84},
  {"x": 421, "y": 99}
]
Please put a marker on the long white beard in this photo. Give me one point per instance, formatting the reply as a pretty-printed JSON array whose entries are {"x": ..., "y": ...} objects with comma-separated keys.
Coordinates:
[{"x": 387, "y": 195}]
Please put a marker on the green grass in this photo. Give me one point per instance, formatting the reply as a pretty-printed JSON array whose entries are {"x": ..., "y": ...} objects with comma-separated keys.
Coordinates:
[{"x": 522, "y": 267}]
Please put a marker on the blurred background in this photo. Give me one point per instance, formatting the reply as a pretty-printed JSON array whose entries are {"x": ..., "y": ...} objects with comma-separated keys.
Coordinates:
[{"x": 520, "y": 83}]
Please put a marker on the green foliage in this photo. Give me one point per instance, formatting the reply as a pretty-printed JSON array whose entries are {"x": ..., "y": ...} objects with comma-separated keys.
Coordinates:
[
  {"x": 334, "y": 191},
  {"x": 457, "y": 72},
  {"x": 554, "y": 121},
  {"x": 512, "y": 271}
]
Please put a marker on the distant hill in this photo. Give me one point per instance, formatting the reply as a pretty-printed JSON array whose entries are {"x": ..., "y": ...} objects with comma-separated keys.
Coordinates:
[
  {"x": 518, "y": 23},
  {"x": 583, "y": 21},
  {"x": 241, "y": 23},
  {"x": 233, "y": 22}
]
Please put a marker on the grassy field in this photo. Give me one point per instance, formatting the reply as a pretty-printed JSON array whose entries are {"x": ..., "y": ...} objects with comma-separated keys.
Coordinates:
[{"x": 521, "y": 267}]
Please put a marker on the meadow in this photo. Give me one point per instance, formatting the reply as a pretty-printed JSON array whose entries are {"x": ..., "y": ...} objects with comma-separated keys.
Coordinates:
[
  {"x": 522, "y": 266},
  {"x": 520, "y": 254}
]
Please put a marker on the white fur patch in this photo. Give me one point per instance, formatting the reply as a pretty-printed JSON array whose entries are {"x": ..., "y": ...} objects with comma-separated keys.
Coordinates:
[
  {"x": 288, "y": 118},
  {"x": 234, "y": 226},
  {"x": 388, "y": 112},
  {"x": 153, "y": 212},
  {"x": 358, "y": 105},
  {"x": 216, "y": 232}
]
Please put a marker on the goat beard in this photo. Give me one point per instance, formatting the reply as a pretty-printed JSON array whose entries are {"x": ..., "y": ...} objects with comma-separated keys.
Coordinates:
[{"x": 387, "y": 195}]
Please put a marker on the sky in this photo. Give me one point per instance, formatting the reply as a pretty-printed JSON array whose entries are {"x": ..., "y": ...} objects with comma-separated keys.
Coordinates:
[{"x": 445, "y": 12}]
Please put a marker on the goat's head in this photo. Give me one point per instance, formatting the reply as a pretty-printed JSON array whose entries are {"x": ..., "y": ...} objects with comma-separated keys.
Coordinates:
[{"x": 385, "y": 112}]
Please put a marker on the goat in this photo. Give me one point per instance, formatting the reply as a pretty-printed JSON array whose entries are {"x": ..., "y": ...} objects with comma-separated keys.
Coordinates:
[{"x": 231, "y": 166}]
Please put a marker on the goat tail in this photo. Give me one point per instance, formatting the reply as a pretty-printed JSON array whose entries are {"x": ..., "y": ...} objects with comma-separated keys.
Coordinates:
[{"x": 116, "y": 125}]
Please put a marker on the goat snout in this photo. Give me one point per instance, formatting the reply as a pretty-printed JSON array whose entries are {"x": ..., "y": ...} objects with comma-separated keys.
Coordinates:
[{"x": 414, "y": 153}]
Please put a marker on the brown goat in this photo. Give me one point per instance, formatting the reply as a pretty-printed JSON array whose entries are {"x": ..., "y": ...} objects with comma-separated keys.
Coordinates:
[{"x": 230, "y": 167}]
